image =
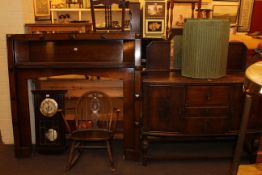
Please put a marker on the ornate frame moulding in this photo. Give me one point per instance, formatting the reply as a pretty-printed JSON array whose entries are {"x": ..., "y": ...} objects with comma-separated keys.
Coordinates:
[
  {"x": 229, "y": 12},
  {"x": 246, "y": 8},
  {"x": 42, "y": 8}
]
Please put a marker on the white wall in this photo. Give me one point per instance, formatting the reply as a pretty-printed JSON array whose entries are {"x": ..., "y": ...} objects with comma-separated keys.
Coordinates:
[{"x": 13, "y": 15}]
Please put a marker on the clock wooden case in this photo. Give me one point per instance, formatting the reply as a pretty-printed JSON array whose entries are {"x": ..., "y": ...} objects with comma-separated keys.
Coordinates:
[{"x": 49, "y": 126}]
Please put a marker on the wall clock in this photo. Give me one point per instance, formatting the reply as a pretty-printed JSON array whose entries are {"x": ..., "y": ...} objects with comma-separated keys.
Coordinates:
[{"x": 49, "y": 124}]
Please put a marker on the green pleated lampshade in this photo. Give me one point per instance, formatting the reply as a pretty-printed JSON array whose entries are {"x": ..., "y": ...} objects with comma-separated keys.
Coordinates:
[{"x": 205, "y": 47}]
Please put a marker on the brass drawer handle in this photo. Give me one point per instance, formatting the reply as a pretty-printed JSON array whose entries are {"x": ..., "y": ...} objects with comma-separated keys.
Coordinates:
[
  {"x": 137, "y": 123},
  {"x": 73, "y": 36},
  {"x": 207, "y": 111},
  {"x": 208, "y": 96}
]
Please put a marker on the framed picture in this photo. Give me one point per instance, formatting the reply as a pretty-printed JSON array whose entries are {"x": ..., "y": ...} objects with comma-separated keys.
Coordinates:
[
  {"x": 182, "y": 12},
  {"x": 58, "y": 4},
  {"x": 154, "y": 26},
  {"x": 154, "y": 15},
  {"x": 42, "y": 8},
  {"x": 229, "y": 12},
  {"x": 227, "y": 0},
  {"x": 155, "y": 9},
  {"x": 245, "y": 15},
  {"x": 187, "y": 1}
]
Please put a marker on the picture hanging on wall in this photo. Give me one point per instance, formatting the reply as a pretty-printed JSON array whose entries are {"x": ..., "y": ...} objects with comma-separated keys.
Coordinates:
[
  {"x": 228, "y": 0},
  {"x": 154, "y": 9},
  {"x": 58, "y": 4},
  {"x": 229, "y": 12},
  {"x": 154, "y": 15},
  {"x": 154, "y": 26},
  {"x": 182, "y": 12},
  {"x": 42, "y": 8},
  {"x": 245, "y": 15}
]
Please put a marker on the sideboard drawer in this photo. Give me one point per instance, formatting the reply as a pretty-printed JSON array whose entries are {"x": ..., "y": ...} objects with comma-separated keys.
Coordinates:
[
  {"x": 207, "y": 95},
  {"x": 206, "y": 111}
]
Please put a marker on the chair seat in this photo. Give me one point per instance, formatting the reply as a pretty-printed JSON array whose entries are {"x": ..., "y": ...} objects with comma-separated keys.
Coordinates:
[{"x": 90, "y": 135}]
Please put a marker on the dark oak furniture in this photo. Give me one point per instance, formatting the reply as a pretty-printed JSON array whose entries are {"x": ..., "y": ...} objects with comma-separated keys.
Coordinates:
[
  {"x": 112, "y": 55},
  {"x": 176, "y": 106},
  {"x": 106, "y": 5},
  {"x": 31, "y": 56},
  {"x": 95, "y": 124}
]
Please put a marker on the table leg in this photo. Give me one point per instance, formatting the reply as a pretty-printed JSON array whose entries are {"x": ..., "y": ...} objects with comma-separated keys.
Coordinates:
[{"x": 241, "y": 135}]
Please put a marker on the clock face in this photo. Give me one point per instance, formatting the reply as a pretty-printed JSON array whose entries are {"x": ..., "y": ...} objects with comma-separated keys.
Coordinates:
[{"x": 48, "y": 107}]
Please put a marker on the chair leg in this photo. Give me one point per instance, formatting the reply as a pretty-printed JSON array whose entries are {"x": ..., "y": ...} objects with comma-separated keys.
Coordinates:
[
  {"x": 110, "y": 155},
  {"x": 144, "y": 150},
  {"x": 73, "y": 155},
  {"x": 70, "y": 156}
]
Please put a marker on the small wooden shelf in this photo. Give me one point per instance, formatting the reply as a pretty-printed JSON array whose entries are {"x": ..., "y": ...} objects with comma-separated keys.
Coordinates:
[{"x": 79, "y": 10}]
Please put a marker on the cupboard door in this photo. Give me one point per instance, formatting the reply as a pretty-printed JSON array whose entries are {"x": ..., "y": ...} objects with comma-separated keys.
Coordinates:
[{"x": 162, "y": 107}]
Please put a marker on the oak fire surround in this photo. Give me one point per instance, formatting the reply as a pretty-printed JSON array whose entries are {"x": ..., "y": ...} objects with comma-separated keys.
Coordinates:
[{"x": 106, "y": 55}]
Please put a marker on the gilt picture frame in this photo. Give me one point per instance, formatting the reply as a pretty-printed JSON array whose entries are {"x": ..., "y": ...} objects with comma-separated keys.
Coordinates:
[
  {"x": 154, "y": 16},
  {"x": 42, "y": 8},
  {"x": 155, "y": 9},
  {"x": 229, "y": 12},
  {"x": 245, "y": 15},
  {"x": 227, "y": 0},
  {"x": 154, "y": 26}
]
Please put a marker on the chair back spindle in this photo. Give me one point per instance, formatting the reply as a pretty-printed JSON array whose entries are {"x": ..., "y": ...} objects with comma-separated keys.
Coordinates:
[{"x": 93, "y": 111}]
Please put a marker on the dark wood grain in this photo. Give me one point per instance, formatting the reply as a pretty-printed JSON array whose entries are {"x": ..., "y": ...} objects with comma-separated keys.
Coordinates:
[
  {"x": 33, "y": 56},
  {"x": 174, "y": 106}
]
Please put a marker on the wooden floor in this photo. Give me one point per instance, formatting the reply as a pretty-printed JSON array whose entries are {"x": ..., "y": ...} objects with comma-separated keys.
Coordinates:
[
  {"x": 253, "y": 169},
  {"x": 94, "y": 162}
]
